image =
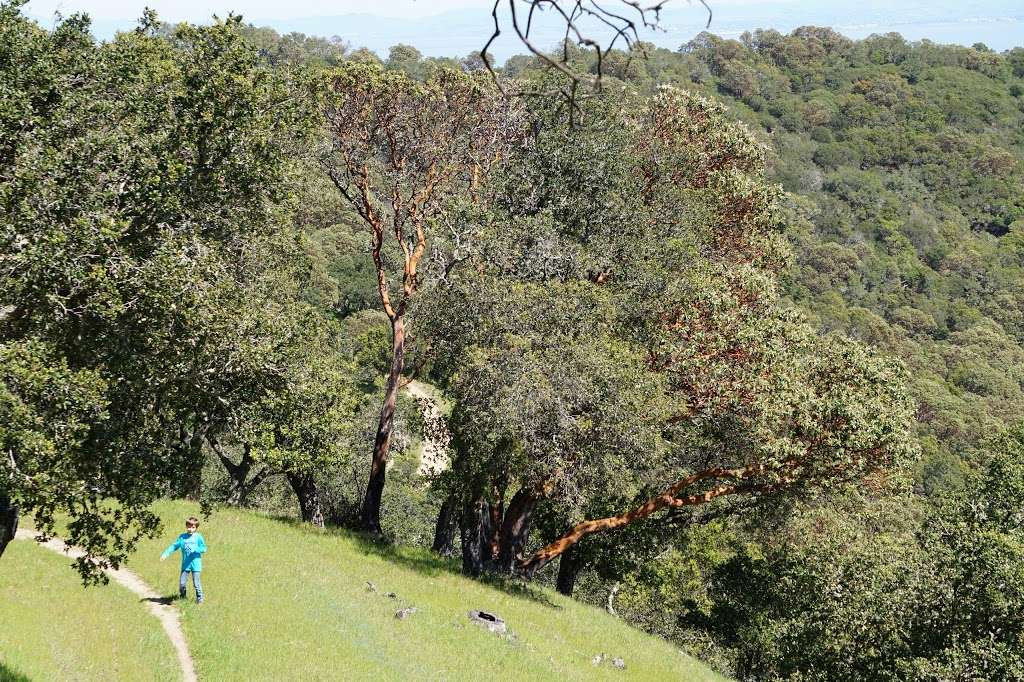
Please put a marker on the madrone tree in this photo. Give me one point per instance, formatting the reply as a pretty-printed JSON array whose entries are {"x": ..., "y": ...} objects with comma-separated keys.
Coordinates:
[
  {"x": 403, "y": 153},
  {"x": 620, "y": 337},
  {"x": 760, "y": 403}
]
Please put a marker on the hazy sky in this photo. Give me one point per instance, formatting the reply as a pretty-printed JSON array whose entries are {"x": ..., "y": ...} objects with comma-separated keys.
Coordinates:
[
  {"x": 466, "y": 23},
  {"x": 195, "y": 10}
]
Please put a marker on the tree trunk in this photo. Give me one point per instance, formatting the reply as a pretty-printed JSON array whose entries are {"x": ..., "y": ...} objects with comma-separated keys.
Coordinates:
[
  {"x": 611, "y": 599},
  {"x": 309, "y": 498},
  {"x": 370, "y": 513},
  {"x": 190, "y": 446},
  {"x": 476, "y": 535},
  {"x": 444, "y": 530},
  {"x": 568, "y": 567},
  {"x": 240, "y": 494},
  {"x": 497, "y": 510},
  {"x": 8, "y": 521},
  {"x": 241, "y": 484},
  {"x": 515, "y": 528}
]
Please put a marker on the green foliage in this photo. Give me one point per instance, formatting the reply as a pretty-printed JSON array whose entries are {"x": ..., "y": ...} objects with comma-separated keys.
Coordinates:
[
  {"x": 295, "y": 48},
  {"x": 47, "y": 411},
  {"x": 619, "y": 328},
  {"x": 880, "y": 593},
  {"x": 143, "y": 182},
  {"x": 906, "y": 156},
  {"x": 303, "y": 426},
  {"x": 622, "y": 308},
  {"x": 907, "y": 161}
]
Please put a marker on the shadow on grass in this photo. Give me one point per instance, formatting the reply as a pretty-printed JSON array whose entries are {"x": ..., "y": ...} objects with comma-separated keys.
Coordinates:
[
  {"x": 423, "y": 561},
  {"x": 8, "y": 674}
]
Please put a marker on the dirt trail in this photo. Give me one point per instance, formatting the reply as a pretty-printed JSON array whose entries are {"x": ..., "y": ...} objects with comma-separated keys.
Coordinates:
[
  {"x": 167, "y": 614},
  {"x": 435, "y": 437}
]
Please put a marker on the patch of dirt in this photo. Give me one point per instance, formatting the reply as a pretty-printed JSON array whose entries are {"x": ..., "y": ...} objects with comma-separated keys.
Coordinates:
[{"x": 435, "y": 429}]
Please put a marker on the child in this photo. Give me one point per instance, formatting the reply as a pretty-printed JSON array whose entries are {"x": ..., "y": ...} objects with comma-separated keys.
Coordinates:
[{"x": 192, "y": 547}]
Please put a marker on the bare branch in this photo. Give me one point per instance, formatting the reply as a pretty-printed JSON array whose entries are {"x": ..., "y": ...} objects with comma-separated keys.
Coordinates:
[{"x": 624, "y": 25}]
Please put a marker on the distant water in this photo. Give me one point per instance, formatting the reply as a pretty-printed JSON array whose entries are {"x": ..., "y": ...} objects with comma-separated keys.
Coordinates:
[
  {"x": 998, "y": 35},
  {"x": 997, "y": 30}
]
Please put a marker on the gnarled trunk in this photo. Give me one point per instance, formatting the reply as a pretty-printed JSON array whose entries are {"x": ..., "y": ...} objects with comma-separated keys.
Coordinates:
[
  {"x": 370, "y": 513},
  {"x": 8, "y": 521},
  {"x": 241, "y": 484},
  {"x": 568, "y": 568},
  {"x": 444, "y": 530},
  {"x": 476, "y": 535},
  {"x": 309, "y": 498},
  {"x": 515, "y": 528}
]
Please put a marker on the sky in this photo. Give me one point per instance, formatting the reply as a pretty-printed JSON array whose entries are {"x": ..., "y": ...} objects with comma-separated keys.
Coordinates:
[
  {"x": 457, "y": 27},
  {"x": 193, "y": 10}
]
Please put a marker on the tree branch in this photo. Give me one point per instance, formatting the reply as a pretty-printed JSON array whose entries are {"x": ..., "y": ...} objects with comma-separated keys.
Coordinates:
[{"x": 666, "y": 499}]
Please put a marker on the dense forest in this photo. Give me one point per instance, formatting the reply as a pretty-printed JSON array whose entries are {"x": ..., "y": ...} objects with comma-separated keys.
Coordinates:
[{"x": 735, "y": 342}]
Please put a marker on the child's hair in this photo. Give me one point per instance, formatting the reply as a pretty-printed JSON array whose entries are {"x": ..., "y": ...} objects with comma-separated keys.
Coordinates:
[{"x": 192, "y": 521}]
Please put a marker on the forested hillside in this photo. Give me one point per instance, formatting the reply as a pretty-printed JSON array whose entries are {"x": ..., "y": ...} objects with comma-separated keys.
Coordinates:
[
  {"x": 904, "y": 166},
  {"x": 906, "y": 163},
  {"x": 734, "y": 341}
]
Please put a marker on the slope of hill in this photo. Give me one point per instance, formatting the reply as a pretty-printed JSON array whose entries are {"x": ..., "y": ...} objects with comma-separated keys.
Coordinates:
[
  {"x": 52, "y": 629},
  {"x": 289, "y": 602}
]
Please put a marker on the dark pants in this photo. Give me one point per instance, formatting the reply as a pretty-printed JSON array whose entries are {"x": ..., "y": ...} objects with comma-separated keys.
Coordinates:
[{"x": 195, "y": 583}]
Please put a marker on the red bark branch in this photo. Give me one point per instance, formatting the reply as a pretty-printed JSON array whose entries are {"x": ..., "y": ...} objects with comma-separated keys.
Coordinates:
[{"x": 666, "y": 499}]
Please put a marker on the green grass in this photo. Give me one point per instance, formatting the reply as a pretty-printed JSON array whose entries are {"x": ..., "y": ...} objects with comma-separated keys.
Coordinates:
[
  {"x": 51, "y": 628},
  {"x": 289, "y": 602}
]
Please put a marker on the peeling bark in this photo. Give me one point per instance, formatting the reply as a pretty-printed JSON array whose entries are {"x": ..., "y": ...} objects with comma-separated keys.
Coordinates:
[
  {"x": 370, "y": 512},
  {"x": 667, "y": 498}
]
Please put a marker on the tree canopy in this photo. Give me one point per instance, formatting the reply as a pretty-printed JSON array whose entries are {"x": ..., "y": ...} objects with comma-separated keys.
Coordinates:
[
  {"x": 141, "y": 184},
  {"x": 751, "y": 304}
]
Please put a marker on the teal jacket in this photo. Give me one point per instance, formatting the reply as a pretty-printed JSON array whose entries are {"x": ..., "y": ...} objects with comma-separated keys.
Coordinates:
[{"x": 192, "y": 547}]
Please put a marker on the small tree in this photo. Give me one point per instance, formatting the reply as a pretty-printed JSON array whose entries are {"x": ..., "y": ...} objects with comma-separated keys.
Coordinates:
[
  {"x": 401, "y": 153},
  {"x": 303, "y": 431}
]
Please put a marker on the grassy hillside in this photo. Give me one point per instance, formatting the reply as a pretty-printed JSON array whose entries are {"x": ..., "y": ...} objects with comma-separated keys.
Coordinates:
[
  {"x": 53, "y": 629},
  {"x": 289, "y": 602}
]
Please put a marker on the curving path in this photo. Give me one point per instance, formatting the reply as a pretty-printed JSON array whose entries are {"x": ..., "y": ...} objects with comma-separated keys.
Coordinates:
[
  {"x": 167, "y": 614},
  {"x": 435, "y": 429}
]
